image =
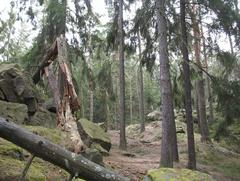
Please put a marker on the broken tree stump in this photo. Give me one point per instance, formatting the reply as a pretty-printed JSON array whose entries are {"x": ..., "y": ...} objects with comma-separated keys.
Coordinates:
[
  {"x": 64, "y": 94},
  {"x": 75, "y": 164}
]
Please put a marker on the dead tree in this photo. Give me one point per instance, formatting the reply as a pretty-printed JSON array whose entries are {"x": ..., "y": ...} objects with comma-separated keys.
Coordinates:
[
  {"x": 63, "y": 91},
  {"x": 76, "y": 165}
]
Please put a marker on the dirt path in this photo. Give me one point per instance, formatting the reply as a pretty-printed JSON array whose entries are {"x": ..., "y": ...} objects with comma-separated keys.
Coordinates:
[{"x": 142, "y": 156}]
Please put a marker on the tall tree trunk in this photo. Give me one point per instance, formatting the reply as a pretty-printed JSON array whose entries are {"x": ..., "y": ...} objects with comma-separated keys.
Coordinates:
[
  {"x": 196, "y": 106},
  {"x": 142, "y": 118},
  {"x": 131, "y": 102},
  {"x": 106, "y": 110},
  {"x": 200, "y": 82},
  {"x": 82, "y": 103},
  {"x": 211, "y": 118},
  {"x": 168, "y": 122},
  {"x": 138, "y": 94},
  {"x": 90, "y": 78},
  {"x": 230, "y": 41},
  {"x": 90, "y": 94},
  {"x": 123, "y": 143},
  {"x": 187, "y": 89}
]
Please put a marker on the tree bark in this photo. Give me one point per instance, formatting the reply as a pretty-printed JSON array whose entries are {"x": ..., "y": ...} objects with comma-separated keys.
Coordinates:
[
  {"x": 69, "y": 100},
  {"x": 75, "y": 164},
  {"x": 168, "y": 122},
  {"x": 211, "y": 116},
  {"x": 142, "y": 118},
  {"x": 90, "y": 94},
  {"x": 90, "y": 76},
  {"x": 123, "y": 142},
  {"x": 130, "y": 97},
  {"x": 187, "y": 89},
  {"x": 47, "y": 60},
  {"x": 200, "y": 82}
]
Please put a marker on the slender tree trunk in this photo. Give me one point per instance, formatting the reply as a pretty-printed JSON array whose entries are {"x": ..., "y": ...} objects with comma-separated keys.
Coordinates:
[
  {"x": 123, "y": 142},
  {"x": 82, "y": 103},
  {"x": 211, "y": 118},
  {"x": 90, "y": 78},
  {"x": 91, "y": 96},
  {"x": 166, "y": 89},
  {"x": 138, "y": 94},
  {"x": 106, "y": 110},
  {"x": 142, "y": 118},
  {"x": 230, "y": 41},
  {"x": 187, "y": 90},
  {"x": 131, "y": 102},
  {"x": 200, "y": 82},
  {"x": 196, "y": 106}
]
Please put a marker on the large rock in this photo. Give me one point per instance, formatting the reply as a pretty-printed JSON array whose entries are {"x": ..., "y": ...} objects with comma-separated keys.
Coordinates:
[
  {"x": 166, "y": 174},
  {"x": 153, "y": 131},
  {"x": 43, "y": 117},
  {"x": 154, "y": 116},
  {"x": 16, "y": 86},
  {"x": 91, "y": 133},
  {"x": 17, "y": 113}
]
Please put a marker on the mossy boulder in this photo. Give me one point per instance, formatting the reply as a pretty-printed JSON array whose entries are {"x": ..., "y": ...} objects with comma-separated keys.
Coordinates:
[
  {"x": 170, "y": 174},
  {"x": 17, "y": 113},
  {"x": 43, "y": 117},
  {"x": 16, "y": 86},
  {"x": 154, "y": 116},
  {"x": 92, "y": 133}
]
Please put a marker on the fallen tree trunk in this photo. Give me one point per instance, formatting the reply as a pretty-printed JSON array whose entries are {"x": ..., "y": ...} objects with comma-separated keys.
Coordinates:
[{"x": 76, "y": 165}]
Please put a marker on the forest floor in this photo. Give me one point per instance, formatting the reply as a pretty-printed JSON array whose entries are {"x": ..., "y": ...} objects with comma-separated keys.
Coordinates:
[{"x": 143, "y": 153}]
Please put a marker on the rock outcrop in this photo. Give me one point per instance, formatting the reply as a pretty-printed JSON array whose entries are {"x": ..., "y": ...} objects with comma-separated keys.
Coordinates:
[
  {"x": 93, "y": 134},
  {"x": 16, "y": 86},
  {"x": 18, "y": 113}
]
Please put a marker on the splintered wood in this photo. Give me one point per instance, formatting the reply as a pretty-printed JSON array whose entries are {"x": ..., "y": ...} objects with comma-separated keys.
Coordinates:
[
  {"x": 68, "y": 99},
  {"x": 62, "y": 88}
]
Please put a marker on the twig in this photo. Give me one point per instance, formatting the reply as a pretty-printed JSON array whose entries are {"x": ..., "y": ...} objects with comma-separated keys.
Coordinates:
[
  {"x": 25, "y": 170},
  {"x": 202, "y": 69}
]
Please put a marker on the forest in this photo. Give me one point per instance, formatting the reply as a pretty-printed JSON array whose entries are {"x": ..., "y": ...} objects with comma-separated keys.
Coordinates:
[{"x": 104, "y": 90}]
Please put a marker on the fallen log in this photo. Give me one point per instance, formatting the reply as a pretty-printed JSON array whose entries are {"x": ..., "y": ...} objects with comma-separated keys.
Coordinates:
[{"x": 76, "y": 165}]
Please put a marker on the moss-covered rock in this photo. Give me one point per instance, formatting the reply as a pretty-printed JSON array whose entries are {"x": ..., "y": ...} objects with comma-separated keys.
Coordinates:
[
  {"x": 169, "y": 174},
  {"x": 98, "y": 147},
  {"x": 43, "y": 118},
  {"x": 17, "y": 113},
  {"x": 16, "y": 86},
  {"x": 92, "y": 133}
]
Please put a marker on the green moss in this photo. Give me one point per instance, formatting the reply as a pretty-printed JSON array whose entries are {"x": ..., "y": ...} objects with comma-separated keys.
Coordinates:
[
  {"x": 230, "y": 168},
  {"x": 220, "y": 159},
  {"x": 94, "y": 131},
  {"x": 18, "y": 113},
  {"x": 9, "y": 149},
  {"x": 169, "y": 174},
  {"x": 53, "y": 135},
  {"x": 12, "y": 168},
  {"x": 99, "y": 148},
  {"x": 13, "y": 160}
]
